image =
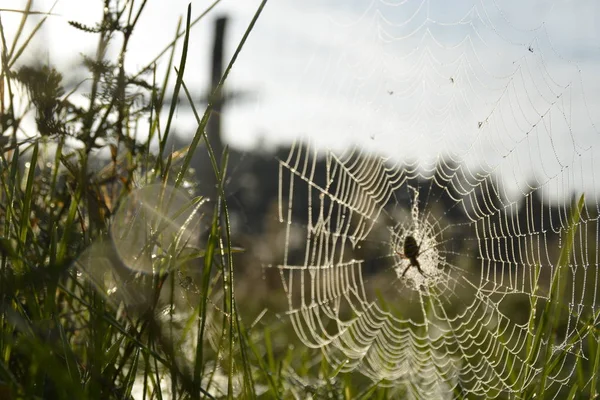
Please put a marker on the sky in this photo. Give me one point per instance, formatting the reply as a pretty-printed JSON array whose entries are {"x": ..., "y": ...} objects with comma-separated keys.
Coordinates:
[{"x": 504, "y": 86}]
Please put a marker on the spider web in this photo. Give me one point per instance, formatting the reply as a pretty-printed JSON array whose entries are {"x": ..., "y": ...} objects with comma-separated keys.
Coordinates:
[{"x": 479, "y": 139}]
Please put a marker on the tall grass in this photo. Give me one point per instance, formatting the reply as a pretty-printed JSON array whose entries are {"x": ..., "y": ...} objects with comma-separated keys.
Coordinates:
[
  {"x": 76, "y": 320},
  {"x": 71, "y": 325}
]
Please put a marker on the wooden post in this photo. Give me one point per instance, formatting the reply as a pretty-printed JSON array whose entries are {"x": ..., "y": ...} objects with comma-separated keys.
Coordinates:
[
  {"x": 213, "y": 128},
  {"x": 207, "y": 180}
]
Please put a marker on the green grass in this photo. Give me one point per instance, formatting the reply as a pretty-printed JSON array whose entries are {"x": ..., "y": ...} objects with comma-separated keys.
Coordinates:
[{"x": 72, "y": 324}]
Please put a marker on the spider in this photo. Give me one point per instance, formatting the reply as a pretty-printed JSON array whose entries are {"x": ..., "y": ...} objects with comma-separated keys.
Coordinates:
[{"x": 411, "y": 252}]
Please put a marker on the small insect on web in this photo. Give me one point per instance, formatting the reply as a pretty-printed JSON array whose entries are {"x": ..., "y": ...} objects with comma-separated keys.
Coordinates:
[
  {"x": 418, "y": 240},
  {"x": 411, "y": 252}
]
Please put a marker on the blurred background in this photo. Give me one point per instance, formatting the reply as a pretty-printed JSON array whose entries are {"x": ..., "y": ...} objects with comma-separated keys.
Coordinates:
[
  {"x": 503, "y": 92},
  {"x": 508, "y": 91}
]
